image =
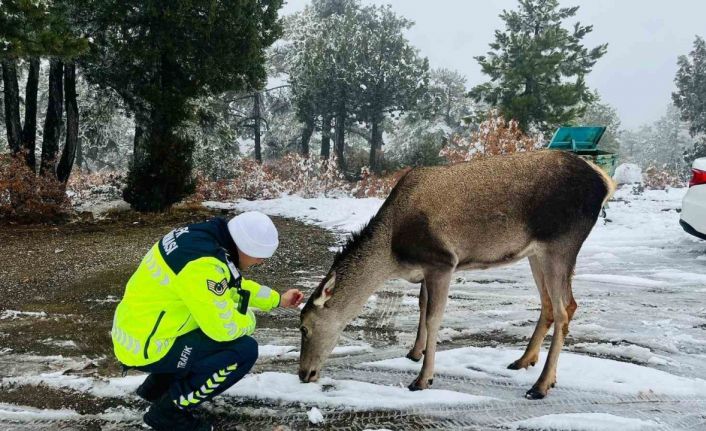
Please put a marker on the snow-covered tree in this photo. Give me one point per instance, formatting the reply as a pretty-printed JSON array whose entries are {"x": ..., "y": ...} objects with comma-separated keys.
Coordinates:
[
  {"x": 283, "y": 132},
  {"x": 326, "y": 8},
  {"x": 631, "y": 142},
  {"x": 388, "y": 70},
  {"x": 661, "y": 145},
  {"x": 350, "y": 63},
  {"x": 690, "y": 96},
  {"x": 690, "y": 80},
  {"x": 213, "y": 127},
  {"x": 419, "y": 135},
  {"x": 447, "y": 97},
  {"x": 106, "y": 131},
  {"x": 537, "y": 66},
  {"x": 320, "y": 42}
]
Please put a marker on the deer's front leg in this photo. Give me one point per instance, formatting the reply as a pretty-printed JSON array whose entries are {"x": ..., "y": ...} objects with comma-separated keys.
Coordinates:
[
  {"x": 437, "y": 286},
  {"x": 418, "y": 350}
]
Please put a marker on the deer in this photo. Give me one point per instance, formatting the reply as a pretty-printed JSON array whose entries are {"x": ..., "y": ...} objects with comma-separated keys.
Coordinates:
[{"x": 540, "y": 205}]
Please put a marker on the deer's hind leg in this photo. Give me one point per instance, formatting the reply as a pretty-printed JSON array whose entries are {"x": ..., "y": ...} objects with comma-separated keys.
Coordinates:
[
  {"x": 418, "y": 350},
  {"x": 546, "y": 318},
  {"x": 557, "y": 267}
]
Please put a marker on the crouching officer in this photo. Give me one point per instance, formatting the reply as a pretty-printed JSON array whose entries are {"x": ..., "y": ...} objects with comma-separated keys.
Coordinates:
[{"x": 187, "y": 315}]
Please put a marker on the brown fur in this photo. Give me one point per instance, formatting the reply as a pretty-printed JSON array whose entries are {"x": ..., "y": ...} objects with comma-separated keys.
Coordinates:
[{"x": 438, "y": 220}]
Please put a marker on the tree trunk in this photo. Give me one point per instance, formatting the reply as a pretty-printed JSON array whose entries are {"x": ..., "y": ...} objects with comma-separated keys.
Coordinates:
[
  {"x": 326, "y": 137},
  {"x": 80, "y": 161},
  {"x": 257, "y": 117},
  {"x": 160, "y": 173},
  {"x": 140, "y": 143},
  {"x": 68, "y": 156},
  {"x": 448, "y": 109},
  {"x": 12, "y": 104},
  {"x": 29, "y": 132},
  {"x": 52, "y": 122},
  {"x": 340, "y": 138},
  {"x": 523, "y": 117},
  {"x": 307, "y": 131},
  {"x": 376, "y": 147}
]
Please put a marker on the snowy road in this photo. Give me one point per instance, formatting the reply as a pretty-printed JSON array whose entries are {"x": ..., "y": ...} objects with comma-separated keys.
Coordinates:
[{"x": 633, "y": 360}]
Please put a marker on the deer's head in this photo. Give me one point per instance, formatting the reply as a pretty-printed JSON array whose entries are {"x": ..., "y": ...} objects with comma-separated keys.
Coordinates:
[{"x": 321, "y": 325}]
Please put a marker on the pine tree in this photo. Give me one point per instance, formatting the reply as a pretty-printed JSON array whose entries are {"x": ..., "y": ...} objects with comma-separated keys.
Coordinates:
[
  {"x": 352, "y": 64},
  {"x": 537, "y": 67},
  {"x": 391, "y": 74},
  {"x": 661, "y": 145},
  {"x": 160, "y": 57},
  {"x": 322, "y": 41},
  {"x": 420, "y": 134},
  {"x": 326, "y": 8},
  {"x": 690, "y": 96},
  {"x": 106, "y": 128},
  {"x": 448, "y": 101},
  {"x": 24, "y": 32},
  {"x": 30, "y": 30}
]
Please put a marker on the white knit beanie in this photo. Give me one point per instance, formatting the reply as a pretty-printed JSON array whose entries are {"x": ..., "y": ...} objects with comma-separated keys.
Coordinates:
[{"x": 254, "y": 234}]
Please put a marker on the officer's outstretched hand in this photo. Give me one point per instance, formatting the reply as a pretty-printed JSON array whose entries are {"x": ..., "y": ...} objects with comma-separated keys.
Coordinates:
[{"x": 291, "y": 298}]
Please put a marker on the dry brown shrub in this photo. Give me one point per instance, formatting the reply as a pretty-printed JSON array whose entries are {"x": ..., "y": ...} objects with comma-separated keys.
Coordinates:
[
  {"x": 252, "y": 182},
  {"x": 308, "y": 176},
  {"x": 293, "y": 174},
  {"x": 26, "y": 197},
  {"x": 494, "y": 136},
  {"x": 97, "y": 186},
  {"x": 658, "y": 179},
  {"x": 376, "y": 186}
]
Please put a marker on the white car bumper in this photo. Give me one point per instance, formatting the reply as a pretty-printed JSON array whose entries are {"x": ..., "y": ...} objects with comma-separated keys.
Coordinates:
[{"x": 693, "y": 211}]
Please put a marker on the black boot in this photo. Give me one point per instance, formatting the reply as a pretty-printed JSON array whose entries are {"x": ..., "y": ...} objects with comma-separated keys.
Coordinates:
[
  {"x": 154, "y": 386},
  {"x": 164, "y": 415}
]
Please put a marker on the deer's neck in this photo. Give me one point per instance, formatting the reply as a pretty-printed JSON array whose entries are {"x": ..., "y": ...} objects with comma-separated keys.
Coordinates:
[{"x": 361, "y": 273}]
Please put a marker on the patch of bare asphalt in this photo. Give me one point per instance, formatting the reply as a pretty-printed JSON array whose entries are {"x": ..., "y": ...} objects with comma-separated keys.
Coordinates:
[{"x": 45, "y": 397}]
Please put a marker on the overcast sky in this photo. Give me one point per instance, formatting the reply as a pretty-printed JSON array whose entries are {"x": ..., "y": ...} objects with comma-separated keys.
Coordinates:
[{"x": 636, "y": 76}]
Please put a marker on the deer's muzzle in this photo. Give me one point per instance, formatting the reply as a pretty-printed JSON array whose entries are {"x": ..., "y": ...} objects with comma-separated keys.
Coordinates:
[{"x": 307, "y": 376}]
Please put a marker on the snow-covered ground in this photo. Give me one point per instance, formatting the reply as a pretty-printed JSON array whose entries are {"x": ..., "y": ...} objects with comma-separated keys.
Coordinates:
[{"x": 634, "y": 359}]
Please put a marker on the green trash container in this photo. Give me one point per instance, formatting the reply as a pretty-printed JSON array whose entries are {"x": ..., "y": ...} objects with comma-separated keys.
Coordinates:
[{"x": 583, "y": 141}]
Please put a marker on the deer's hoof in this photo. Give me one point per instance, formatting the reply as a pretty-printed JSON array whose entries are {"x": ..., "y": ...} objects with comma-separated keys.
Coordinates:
[
  {"x": 535, "y": 393},
  {"x": 515, "y": 365},
  {"x": 414, "y": 357},
  {"x": 420, "y": 384},
  {"x": 519, "y": 364}
]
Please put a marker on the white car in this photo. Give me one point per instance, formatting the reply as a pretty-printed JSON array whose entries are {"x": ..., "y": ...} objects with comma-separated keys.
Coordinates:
[{"x": 693, "y": 208}]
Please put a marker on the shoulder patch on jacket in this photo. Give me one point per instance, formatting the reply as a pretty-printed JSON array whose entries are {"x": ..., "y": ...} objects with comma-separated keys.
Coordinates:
[{"x": 219, "y": 288}]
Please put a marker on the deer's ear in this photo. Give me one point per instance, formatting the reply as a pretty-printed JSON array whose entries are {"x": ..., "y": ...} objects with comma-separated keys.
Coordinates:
[{"x": 326, "y": 292}]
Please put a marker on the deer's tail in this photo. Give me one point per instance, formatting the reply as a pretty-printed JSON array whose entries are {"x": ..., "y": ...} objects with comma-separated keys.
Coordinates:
[{"x": 607, "y": 180}]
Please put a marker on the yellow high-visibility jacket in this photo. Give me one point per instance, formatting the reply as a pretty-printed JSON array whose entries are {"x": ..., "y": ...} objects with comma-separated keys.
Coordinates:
[{"x": 186, "y": 281}]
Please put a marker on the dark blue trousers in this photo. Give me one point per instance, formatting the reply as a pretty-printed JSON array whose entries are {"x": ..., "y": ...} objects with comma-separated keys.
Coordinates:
[{"x": 203, "y": 368}]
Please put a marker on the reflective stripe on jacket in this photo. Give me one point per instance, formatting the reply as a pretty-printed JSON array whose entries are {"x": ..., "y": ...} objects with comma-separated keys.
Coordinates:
[{"x": 184, "y": 282}]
